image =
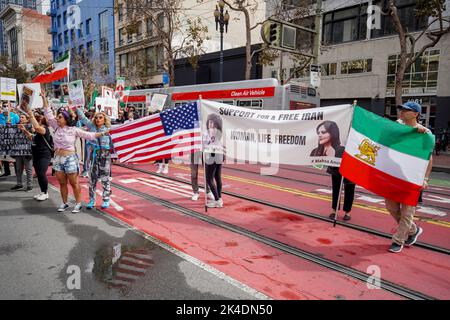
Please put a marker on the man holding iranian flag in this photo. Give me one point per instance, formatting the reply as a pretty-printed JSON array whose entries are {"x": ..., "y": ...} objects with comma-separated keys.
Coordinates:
[{"x": 392, "y": 160}]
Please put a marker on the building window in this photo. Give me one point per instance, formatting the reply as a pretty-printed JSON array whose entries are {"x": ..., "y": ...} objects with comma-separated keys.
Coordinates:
[
  {"x": 104, "y": 43},
  {"x": 88, "y": 26},
  {"x": 406, "y": 12},
  {"x": 80, "y": 31},
  {"x": 345, "y": 25},
  {"x": 60, "y": 41},
  {"x": 89, "y": 49},
  {"x": 149, "y": 28},
  {"x": 66, "y": 36},
  {"x": 14, "y": 46},
  {"x": 72, "y": 35},
  {"x": 139, "y": 31},
  {"x": 121, "y": 33},
  {"x": 64, "y": 18},
  {"x": 120, "y": 12},
  {"x": 160, "y": 21},
  {"x": 356, "y": 66},
  {"x": 329, "y": 69},
  {"x": 59, "y": 21},
  {"x": 420, "y": 78},
  {"x": 123, "y": 60}
]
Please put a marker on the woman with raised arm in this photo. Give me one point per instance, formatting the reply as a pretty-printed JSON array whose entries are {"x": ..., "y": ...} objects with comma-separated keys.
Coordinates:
[
  {"x": 66, "y": 162},
  {"x": 100, "y": 167}
]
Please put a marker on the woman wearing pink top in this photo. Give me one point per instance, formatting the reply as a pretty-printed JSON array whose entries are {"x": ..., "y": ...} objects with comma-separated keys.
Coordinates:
[{"x": 66, "y": 162}]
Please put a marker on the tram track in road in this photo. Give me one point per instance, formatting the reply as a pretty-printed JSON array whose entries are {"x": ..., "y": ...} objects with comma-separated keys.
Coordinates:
[
  {"x": 316, "y": 259},
  {"x": 323, "y": 185},
  {"x": 325, "y": 175},
  {"x": 375, "y": 232}
]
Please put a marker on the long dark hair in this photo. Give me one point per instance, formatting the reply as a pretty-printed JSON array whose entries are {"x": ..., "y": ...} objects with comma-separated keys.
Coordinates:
[
  {"x": 69, "y": 121},
  {"x": 332, "y": 128},
  {"x": 217, "y": 120}
]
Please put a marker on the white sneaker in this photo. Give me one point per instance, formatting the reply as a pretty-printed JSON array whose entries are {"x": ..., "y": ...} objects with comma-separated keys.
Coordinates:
[
  {"x": 220, "y": 203},
  {"x": 160, "y": 168},
  {"x": 210, "y": 196},
  {"x": 77, "y": 208},
  {"x": 195, "y": 197},
  {"x": 37, "y": 196},
  {"x": 166, "y": 169},
  {"x": 212, "y": 204},
  {"x": 63, "y": 207},
  {"x": 42, "y": 197}
]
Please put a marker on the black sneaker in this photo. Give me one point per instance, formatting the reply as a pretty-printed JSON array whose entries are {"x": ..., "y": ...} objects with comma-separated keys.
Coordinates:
[
  {"x": 347, "y": 217},
  {"x": 17, "y": 187},
  {"x": 395, "y": 247},
  {"x": 28, "y": 189},
  {"x": 413, "y": 238},
  {"x": 5, "y": 175},
  {"x": 332, "y": 216}
]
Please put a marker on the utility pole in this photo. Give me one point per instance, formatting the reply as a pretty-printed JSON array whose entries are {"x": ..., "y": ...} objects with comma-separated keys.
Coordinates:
[{"x": 318, "y": 34}]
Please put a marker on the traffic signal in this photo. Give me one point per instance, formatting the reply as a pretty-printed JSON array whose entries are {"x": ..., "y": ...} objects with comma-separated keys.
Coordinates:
[{"x": 275, "y": 34}]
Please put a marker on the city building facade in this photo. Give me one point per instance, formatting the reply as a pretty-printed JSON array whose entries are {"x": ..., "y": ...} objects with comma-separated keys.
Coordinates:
[
  {"x": 30, "y": 4},
  {"x": 86, "y": 29},
  {"x": 139, "y": 51},
  {"x": 26, "y": 36},
  {"x": 360, "y": 63}
]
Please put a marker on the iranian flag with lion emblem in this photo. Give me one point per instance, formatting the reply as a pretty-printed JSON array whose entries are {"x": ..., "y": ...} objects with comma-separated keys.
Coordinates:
[{"x": 386, "y": 157}]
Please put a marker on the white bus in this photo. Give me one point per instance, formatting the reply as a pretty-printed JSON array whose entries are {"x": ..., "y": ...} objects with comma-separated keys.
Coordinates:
[{"x": 265, "y": 94}]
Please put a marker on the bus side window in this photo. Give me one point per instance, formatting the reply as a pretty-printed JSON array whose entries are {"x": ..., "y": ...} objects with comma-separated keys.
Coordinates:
[
  {"x": 252, "y": 104},
  {"x": 230, "y": 102}
]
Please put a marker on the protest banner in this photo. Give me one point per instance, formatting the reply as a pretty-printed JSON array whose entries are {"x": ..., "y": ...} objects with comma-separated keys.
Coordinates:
[
  {"x": 76, "y": 93},
  {"x": 13, "y": 141},
  {"x": 8, "y": 90},
  {"x": 299, "y": 137},
  {"x": 29, "y": 94}
]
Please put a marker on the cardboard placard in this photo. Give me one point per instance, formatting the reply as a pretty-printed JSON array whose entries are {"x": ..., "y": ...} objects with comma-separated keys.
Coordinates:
[
  {"x": 76, "y": 93},
  {"x": 13, "y": 141},
  {"x": 29, "y": 94},
  {"x": 107, "y": 92},
  {"x": 108, "y": 106},
  {"x": 157, "y": 102},
  {"x": 120, "y": 87},
  {"x": 8, "y": 90},
  {"x": 64, "y": 88}
]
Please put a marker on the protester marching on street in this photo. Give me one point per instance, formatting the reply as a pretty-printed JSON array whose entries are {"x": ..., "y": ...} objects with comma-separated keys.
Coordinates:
[
  {"x": 214, "y": 156},
  {"x": 66, "y": 162},
  {"x": 196, "y": 158},
  {"x": 407, "y": 231},
  {"x": 42, "y": 150},
  {"x": 100, "y": 156},
  {"x": 7, "y": 117},
  {"x": 24, "y": 162}
]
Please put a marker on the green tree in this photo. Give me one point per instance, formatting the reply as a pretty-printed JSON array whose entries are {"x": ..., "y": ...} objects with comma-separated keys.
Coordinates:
[{"x": 9, "y": 70}]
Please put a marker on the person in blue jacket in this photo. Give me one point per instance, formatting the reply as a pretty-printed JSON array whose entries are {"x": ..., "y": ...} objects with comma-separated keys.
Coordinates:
[
  {"x": 7, "y": 117},
  {"x": 100, "y": 156}
]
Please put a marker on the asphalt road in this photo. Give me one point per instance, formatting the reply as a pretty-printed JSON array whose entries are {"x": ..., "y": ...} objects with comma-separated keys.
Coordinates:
[{"x": 41, "y": 252}]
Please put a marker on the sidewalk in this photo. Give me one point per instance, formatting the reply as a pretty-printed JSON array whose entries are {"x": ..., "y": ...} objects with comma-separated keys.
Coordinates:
[{"x": 441, "y": 163}]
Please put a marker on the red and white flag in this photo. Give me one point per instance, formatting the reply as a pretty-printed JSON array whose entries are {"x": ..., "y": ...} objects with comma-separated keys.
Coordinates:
[
  {"x": 57, "y": 71},
  {"x": 173, "y": 132}
]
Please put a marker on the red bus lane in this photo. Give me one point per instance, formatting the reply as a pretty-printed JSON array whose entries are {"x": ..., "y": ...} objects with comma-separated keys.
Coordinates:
[
  {"x": 305, "y": 197},
  {"x": 416, "y": 268},
  {"x": 270, "y": 271}
]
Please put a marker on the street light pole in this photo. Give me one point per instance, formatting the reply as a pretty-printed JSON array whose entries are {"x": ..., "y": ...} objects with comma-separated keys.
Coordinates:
[{"x": 222, "y": 21}]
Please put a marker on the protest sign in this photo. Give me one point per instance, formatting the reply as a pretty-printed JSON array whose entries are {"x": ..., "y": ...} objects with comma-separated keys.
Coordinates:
[
  {"x": 157, "y": 102},
  {"x": 76, "y": 93},
  {"x": 120, "y": 87},
  {"x": 13, "y": 141},
  {"x": 109, "y": 106},
  {"x": 8, "y": 89},
  {"x": 64, "y": 88},
  {"x": 29, "y": 94},
  {"x": 107, "y": 92}
]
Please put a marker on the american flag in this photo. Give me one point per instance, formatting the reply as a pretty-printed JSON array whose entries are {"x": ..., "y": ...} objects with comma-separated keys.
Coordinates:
[{"x": 172, "y": 132}]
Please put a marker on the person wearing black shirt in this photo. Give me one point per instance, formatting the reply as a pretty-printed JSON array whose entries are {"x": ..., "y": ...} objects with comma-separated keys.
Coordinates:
[{"x": 42, "y": 150}]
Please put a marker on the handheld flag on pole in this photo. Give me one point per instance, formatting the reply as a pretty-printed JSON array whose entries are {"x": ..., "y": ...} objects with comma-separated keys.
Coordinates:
[
  {"x": 387, "y": 158},
  {"x": 55, "y": 72}
]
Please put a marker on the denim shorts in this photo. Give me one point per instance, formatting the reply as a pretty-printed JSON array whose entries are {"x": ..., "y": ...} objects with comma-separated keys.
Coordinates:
[{"x": 67, "y": 164}]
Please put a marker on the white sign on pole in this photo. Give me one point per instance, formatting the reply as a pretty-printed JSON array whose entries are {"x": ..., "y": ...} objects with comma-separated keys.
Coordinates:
[
  {"x": 76, "y": 93},
  {"x": 107, "y": 92},
  {"x": 315, "y": 75},
  {"x": 8, "y": 89},
  {"x": 157, "y": 102},
  {"x": 35, "y": 100},
  {"x": 108, "y": 106}
]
